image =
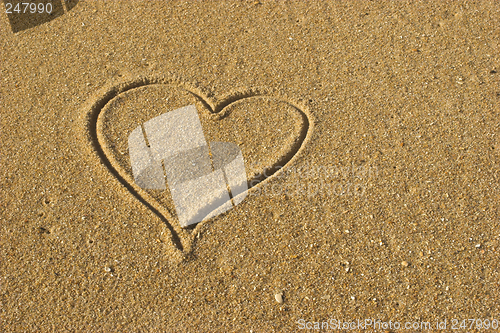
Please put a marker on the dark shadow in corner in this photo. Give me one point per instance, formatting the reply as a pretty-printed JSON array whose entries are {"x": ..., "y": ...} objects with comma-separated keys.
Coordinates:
[{"x": 21, "y": 17}]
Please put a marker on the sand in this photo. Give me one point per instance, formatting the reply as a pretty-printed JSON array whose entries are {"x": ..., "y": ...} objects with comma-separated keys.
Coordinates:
[{"x": 384, "y": 117}]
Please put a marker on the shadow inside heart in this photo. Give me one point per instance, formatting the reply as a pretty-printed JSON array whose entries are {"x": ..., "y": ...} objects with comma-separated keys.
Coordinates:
[{"x": 268, "y": 130}]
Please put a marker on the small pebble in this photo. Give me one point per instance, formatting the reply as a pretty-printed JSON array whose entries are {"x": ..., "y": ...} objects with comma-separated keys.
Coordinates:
[
  {"x": 404, "y": 263},
  {"x": 107, "y": 269},
  {"x": 478, "y": 246},
  {"x": 279, "y": 298}
]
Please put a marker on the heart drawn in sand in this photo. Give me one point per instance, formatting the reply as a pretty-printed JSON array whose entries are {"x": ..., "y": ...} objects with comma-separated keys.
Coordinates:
[{"x": 188, "y": 156}]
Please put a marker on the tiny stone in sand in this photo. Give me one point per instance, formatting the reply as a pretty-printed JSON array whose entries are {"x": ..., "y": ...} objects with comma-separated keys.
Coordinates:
[{"x": 279, "y": 298}]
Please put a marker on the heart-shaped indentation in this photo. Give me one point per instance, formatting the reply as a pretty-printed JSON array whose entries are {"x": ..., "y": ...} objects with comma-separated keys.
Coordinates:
[{"x": 265, "y": 129}]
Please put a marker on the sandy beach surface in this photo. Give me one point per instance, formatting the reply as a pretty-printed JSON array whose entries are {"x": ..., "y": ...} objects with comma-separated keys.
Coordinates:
[{"x": 378, "y": 124}]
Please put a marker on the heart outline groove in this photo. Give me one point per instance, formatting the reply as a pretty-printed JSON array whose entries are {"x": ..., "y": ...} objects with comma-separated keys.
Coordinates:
[{"x": 181, "y": 241}]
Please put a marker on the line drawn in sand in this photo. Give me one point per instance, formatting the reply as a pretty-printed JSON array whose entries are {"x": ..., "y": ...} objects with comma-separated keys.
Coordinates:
[{"x": 218, "y": 166}]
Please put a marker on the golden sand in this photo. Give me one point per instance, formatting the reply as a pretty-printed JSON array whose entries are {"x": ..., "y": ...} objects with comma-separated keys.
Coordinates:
[{"x": 385, "y": 116}]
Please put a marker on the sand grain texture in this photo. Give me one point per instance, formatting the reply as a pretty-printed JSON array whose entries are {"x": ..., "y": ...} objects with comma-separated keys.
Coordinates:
[{"x": 401, "y": 164}]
